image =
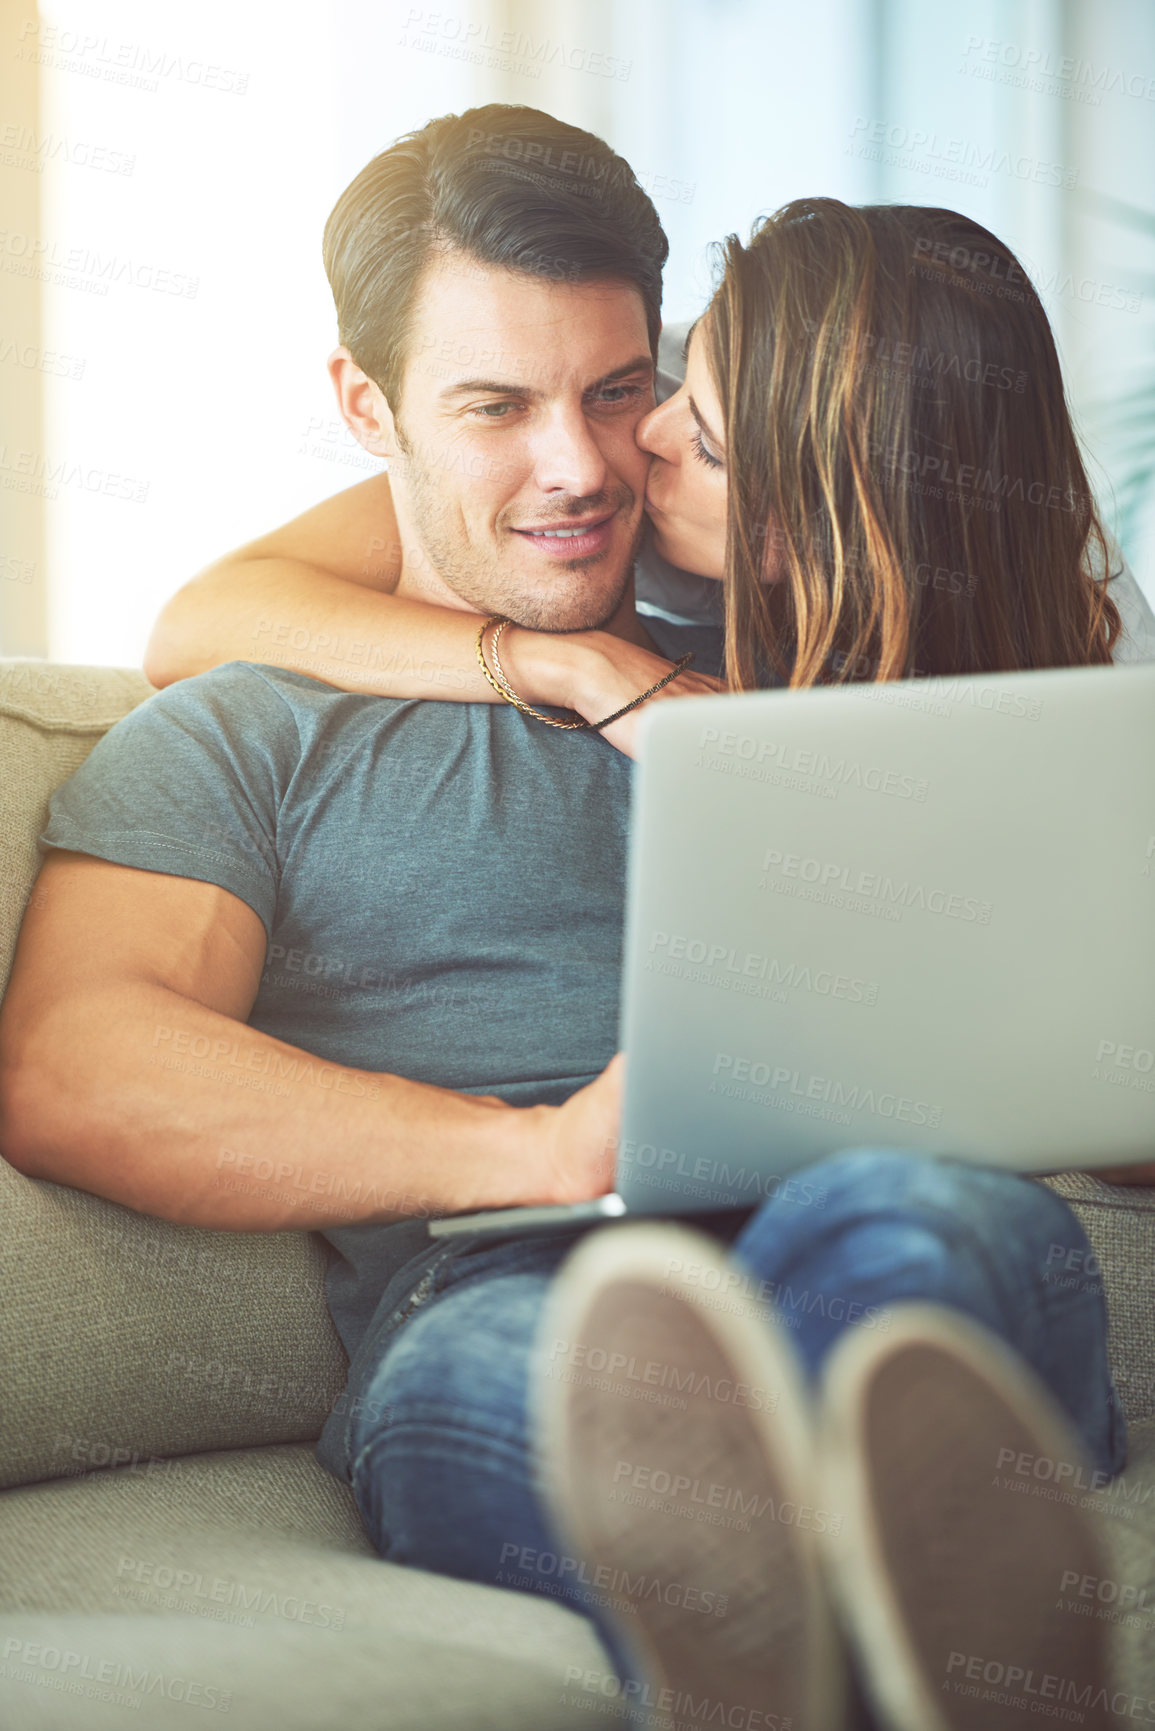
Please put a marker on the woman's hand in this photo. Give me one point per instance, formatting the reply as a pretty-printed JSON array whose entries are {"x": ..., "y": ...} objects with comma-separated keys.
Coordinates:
[{"x": 595, "y": 673}]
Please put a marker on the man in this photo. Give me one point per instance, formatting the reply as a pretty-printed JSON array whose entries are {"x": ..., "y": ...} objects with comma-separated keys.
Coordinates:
[{"x": 282, "y": 919}]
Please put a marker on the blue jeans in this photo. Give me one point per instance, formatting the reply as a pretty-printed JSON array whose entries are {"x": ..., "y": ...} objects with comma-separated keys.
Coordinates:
[{"x": 441, "y": 1456}]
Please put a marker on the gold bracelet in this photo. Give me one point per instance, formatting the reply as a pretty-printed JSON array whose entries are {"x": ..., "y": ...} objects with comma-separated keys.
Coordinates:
[
  {"x": 505, "y": 689},
  {"x": 497, "y": 667}
]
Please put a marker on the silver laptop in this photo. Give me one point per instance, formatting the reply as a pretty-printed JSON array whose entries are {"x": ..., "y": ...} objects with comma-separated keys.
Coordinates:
[{"x": 916, "y": 915}]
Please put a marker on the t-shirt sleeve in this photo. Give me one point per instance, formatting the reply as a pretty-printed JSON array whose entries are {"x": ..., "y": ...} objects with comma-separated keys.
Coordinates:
[{"x": 189, "y": 784}]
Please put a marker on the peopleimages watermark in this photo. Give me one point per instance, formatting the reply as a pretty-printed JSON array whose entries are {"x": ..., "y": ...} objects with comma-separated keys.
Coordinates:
[
  {"x": 338, "y": 975},
  {"x": 941, "y": 578},
  {"x": 80, "y": 267},
  {"x": 204, "y": 1594},
  {"x": 712, "y": 1501},
  {"x": 628, "y": 1373},
  {"x": 737, "y": 752},
  {"x": 512, "y": 147},
  {"x": 1025, "y": 1688},
  {"x": 480, "y": 43},
  {"x": 932, "y": 694},
  {"x": 572, "y": 172},
  {"x": 86, "y": 1455},
  {"x": 751, "y": 972},
  {"x": 1073, "y": 1268},
  {"x": 77, "y": 1673},
  {"x": 224, "y": 1051},
  {"x": 1070, "y": 1482},
  {"x": 1124, "y": 1066},
  {"x": 33, "y": 472},
  {"x": 997, "y": 275},
  {"x": 787, "y": 873},
  {"x": 954, "y": 159},
  {"x": 938, "y": 475},
  {"x": 916, "y": 363},
  {"x": 1111, "y": 1601},
  {"x": 1065, "y": 75},
  {"x": 743, "y": 1294},
  {"x": 132, "y": 64},
  {"x": 23, "y": 680},
  {"x": 40, "y": 360},
  {"x": 283, "y": 1180},
  {"x": 929, "y": 368},
  {"x": 820, "y": 1091},
  {"x": 713, "y": 1176},
  {"x": 23, "y": 147},
  {"x": 169, "y": 1252},
  {"x": 562, "y": 1576},
  {"x": 975, "y": 261},
  {"x": 327, "y": 439},
  {"x": 236, "y": 1381},
  {"x": 329, "y": 652},
  {"x": 663, "y": 1707}
]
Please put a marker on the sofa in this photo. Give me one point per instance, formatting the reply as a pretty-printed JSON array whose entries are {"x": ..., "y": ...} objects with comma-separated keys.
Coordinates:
[{"x": 167, "y": 1539}]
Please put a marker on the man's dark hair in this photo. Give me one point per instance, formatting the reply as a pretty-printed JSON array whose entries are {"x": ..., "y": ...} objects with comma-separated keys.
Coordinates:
[{"x": 508, "y": 186}]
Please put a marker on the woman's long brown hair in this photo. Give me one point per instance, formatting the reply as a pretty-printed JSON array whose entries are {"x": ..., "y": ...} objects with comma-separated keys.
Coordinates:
[{"x": 901, "y": 456}]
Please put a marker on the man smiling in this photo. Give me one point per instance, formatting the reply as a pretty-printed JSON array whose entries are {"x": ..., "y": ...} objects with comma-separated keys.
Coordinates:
[{"x": 519, "y": 491}]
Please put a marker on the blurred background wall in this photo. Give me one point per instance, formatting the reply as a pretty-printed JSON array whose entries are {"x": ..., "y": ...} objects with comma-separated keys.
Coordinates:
[{"x": 165, "y": 174}]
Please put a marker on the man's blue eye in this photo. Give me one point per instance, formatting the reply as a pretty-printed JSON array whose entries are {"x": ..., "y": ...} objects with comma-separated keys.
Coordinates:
[{"x": 609, "y": 395}]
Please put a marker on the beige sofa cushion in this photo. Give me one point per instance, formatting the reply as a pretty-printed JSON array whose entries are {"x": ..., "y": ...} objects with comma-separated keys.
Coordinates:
[
  {"x": 106, "y": 1542},
  {"x": 248, "y": 1575},
  {"x": 123, "y": 1337}
]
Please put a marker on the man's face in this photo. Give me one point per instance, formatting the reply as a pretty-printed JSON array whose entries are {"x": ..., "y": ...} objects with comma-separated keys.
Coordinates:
[{"x": 518, "y": 484}]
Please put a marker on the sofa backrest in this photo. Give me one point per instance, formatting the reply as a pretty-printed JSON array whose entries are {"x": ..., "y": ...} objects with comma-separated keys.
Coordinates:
[
  {"x": 50, "y": 719},
  {"x": 125, "y": 1339}
]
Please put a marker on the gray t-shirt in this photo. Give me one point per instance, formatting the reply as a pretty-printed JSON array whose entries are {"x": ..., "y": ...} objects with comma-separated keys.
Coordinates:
[{"x": 441, "y": 886}]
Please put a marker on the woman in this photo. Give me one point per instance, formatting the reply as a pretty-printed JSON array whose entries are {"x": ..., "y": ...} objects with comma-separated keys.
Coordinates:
[{"x": 872, "y": 456}]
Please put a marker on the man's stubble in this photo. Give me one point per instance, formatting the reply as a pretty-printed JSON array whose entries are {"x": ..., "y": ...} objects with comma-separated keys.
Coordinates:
[{"x": 478, "y": 579}]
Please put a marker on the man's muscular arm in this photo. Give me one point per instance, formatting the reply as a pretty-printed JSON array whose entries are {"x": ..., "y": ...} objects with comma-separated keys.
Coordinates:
[{"x": 124, "y": 1059}]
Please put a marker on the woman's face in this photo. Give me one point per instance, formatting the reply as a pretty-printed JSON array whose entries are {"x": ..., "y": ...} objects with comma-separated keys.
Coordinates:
[{"x": 686, "y": 490}]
